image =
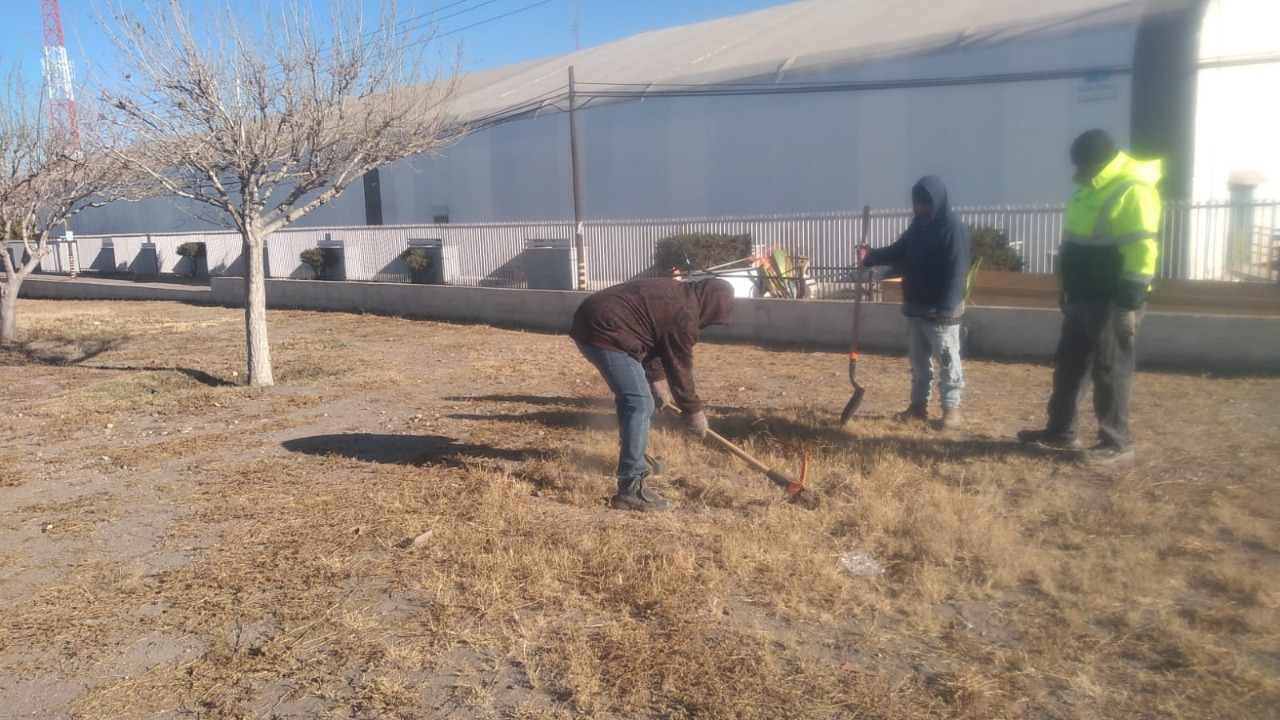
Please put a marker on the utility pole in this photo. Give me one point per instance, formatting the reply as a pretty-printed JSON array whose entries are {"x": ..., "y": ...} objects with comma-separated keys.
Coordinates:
[
  {"x": 579, "y": 242},
  {"x": 573, "y": 25}
]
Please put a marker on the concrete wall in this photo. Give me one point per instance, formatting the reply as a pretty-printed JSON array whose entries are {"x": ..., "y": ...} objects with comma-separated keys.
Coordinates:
[
  {"x": 64, "y": 288},
  {"x": 1177, "y": 341},
  {"x": 533, "y": 309}
]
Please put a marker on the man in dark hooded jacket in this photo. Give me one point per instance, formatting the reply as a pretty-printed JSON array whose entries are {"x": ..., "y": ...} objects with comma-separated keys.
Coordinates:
[
  {"x": 640, "y": 336},
  {"x": 934, "y": 256}
]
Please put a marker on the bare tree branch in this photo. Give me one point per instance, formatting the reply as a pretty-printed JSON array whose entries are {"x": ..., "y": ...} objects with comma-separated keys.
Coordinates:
[
  {"x": 266, "y": 120},
  {"x": 48, "y": 174}
]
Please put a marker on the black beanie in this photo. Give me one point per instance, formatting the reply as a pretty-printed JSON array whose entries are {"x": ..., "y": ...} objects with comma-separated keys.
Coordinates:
[{"x": 1093, "y": 147}]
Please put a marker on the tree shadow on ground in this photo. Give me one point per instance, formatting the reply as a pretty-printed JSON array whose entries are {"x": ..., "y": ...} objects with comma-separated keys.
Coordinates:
[
  {"x": 415, "y": 450},
  {"x": 739, "y": 426},
  {"x": 58, "y": 353},
  {"x": 199, "y": 376}
]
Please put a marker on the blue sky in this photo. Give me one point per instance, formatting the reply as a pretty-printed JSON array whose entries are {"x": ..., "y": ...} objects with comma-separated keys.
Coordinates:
[{"x": 532, "y": 29}]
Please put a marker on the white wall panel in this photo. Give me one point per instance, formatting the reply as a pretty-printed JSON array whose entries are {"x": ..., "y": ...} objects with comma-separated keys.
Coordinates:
[{"x": 1237, "y": 107}]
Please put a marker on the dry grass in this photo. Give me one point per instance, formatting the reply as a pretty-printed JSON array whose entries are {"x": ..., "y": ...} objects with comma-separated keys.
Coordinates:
[{"x": 1015, "y": 584}]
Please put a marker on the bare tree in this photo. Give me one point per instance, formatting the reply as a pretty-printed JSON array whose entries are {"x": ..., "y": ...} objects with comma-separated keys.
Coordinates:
[
  {"x": 48, "y": 173},
  {"x": 262, "y": 122}
]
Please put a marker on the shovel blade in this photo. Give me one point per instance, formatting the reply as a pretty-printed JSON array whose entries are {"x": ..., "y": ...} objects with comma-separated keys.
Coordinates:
[{"x": 851, "y": 407}]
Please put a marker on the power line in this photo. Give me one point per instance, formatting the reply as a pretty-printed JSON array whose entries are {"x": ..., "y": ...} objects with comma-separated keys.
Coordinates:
[
  {"x": 549, "y": 99},
  {"x": 710, "y": 89},
  {"x": 495, "y": 17},
  {"x": 326, "y": 52},
  {"x": 432, "y": 15},
  {"x": 425, "y": 20}
]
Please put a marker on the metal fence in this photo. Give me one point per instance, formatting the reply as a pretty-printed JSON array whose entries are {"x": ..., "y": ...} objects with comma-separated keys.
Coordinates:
[{"x": 1200, "y": 241}]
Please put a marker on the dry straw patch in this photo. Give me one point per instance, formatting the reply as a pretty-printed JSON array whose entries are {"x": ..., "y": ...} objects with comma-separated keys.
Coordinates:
[{"x": 1015, "y": 584}]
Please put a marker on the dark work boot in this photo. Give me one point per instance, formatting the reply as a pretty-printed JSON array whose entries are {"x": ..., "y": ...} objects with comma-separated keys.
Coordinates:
[
  {"x": 914, "y": 411},
  {"x": 1103, "y": 455},
  {"x": 640, "y": 498},
  {"x": 1061, "y": 441}
]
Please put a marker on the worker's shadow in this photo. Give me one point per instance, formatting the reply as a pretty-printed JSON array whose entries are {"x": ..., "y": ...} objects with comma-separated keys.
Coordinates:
[
  {"x": 929, "y": 450},
  {"x": 415, "y": 450},
  {"x": 738, "y": 425},
  {"x": 199, "y": 376}
]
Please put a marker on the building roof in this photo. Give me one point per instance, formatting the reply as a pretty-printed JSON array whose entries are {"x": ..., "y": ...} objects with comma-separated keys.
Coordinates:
[{"x": 785, "y": 44}]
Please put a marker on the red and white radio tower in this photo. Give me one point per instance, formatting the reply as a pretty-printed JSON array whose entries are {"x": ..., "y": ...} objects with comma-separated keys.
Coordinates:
[{"x": 57, "y": 74}]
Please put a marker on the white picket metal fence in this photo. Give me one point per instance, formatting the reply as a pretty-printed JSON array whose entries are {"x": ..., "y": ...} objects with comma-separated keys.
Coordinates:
[{"x": 1200, "y": 241}]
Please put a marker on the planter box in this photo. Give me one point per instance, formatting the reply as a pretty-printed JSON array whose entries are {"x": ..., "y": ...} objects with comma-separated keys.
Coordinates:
[{"x": 998, "y": 288}]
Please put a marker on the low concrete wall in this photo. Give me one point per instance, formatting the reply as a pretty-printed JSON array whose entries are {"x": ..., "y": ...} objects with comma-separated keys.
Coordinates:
[
  {"x": 1188, "y": 342},
  {"x": 533, "y": 309},
  {"x": 62, "y": 287},
  {"x": 1217, "y": 343},
  {"x": 994, "y": 288}
]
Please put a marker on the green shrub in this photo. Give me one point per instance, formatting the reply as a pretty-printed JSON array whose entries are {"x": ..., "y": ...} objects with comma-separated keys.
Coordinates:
[
  {"x": 193, "y": 251},
  {"x": 991, "y": 248},
  {"x": 320, "y": 259},
  {"x": 699, "y": 250},
  {"x": 419, "y": 263}
]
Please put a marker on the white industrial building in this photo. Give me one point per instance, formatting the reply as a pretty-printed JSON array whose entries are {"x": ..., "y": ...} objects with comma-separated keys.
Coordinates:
[{"x": 828, "y": 105}]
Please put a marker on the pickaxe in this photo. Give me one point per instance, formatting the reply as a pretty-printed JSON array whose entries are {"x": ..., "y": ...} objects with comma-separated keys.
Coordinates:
[{"x": 793, "y": 487}]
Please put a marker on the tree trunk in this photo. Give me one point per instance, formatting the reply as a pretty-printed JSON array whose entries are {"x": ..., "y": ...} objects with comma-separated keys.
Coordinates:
[
  {"x": 255, "y": 310},
  {"x": 9, "y": 308},
  {"x": 13, "y": 277}
]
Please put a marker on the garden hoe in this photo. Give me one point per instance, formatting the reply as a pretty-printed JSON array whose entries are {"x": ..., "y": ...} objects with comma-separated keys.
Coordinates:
[
  {"x": 851, "y": 407},
  {"x": 794, "y": 488}
]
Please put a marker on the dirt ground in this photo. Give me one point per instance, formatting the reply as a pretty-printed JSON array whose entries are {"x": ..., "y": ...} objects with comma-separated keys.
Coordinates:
[{"x": 412, "y": 523}]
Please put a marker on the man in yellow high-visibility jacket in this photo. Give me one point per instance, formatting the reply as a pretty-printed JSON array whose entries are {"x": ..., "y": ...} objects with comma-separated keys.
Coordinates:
[{"x": 1105, "y": 267}]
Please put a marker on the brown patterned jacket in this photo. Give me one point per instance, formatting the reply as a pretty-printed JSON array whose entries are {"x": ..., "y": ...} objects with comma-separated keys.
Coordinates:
[{"x": 656, "y": 321}]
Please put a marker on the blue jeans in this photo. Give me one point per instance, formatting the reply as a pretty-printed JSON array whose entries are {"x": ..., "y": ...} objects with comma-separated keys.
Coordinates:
[
  {"x": 927, "y": 340},
  {"x": 625, "y": 377}
]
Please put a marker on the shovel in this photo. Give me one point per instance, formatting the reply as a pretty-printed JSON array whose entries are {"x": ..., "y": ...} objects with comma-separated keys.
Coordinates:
[{"x": 859, "y": 392}]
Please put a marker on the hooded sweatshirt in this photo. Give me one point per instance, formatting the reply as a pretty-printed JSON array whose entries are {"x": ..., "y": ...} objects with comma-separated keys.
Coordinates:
[
  {"x": 656, "y": 321},
  {"x": 1109, "y": 249},
  {"x": 934, "y": 256}
]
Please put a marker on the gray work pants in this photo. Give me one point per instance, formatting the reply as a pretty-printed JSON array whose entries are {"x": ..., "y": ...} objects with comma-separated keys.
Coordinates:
[{"x": 1090, "y": 349}]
